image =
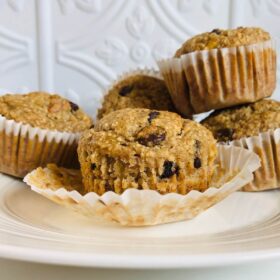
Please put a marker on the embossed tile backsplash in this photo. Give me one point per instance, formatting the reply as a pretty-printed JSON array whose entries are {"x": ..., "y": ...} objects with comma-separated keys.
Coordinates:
[{"x": 77, "y": 47}]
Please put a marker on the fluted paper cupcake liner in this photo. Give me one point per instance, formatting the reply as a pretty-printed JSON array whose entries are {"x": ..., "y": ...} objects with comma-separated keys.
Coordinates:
[
  {"x": 148, "y": 207},
  {"x": 24, "y": 148},
  {"x": 267, "y": 146},
  {"x": 213, "y": 79}
]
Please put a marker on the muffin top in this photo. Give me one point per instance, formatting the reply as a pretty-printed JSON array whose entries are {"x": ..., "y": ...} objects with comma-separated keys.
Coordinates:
[
  {"x": 150, "y": 132},
  {"x": 44, "y": 110},
  {"x": 219, "y": 38},
  {"x": 137, "y": 91},
  {"x": 244, "y": 121}
]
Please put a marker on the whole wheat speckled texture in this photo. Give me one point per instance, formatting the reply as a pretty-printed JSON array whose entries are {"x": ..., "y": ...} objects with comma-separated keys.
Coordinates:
[
  {"x": 220, "y": 38},
  {"x": 146, "y": 149},
  {"x": 137, "y": 91},
  {"x": 244, "y": 121},
  {"x": 44, "y": 110}
]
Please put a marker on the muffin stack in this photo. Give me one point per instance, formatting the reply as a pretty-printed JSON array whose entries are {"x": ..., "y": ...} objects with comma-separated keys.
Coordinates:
[{"x": 231, "y": 72}]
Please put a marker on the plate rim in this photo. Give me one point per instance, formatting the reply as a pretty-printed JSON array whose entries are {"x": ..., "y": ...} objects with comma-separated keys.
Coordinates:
[{"x": 111, "y": 261}]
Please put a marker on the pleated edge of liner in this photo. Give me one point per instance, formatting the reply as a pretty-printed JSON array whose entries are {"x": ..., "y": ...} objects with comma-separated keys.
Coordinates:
[{"x": 246, "y": 171}]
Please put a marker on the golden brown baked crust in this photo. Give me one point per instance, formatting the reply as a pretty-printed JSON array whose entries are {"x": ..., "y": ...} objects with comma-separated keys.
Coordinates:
[
  {"x": 137, "y": 91},
  {"x": 219, "y": 38},
  {"x": 244, "y": 121},
  {"x": 145, "y": 149},
  {"x": 44, "y": 110}
]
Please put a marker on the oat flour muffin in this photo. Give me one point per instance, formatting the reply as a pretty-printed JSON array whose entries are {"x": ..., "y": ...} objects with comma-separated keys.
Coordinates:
[
  {"x": 146, "y": 149},
  {"x": 244, "y": 121},
  {"x": 137, "y": 91},
  {"x": 44, "y": 110},
  {"x": 221, "y": 68},
  {"x": 38, "y": 128},
  {"x": 256, "y": 127},
  {"x": 219, "y": 38}
]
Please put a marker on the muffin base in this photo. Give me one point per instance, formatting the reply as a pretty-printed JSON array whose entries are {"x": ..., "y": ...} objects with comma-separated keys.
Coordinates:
[
  {"x": 24, "y": 148},
  {"x": 148, "y": 207}
]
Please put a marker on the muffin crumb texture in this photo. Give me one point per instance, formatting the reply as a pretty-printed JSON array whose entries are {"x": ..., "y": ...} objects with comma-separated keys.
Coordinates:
[
  {"x": 146, "y": 149},
  {"x": 44, "y": 110},
  {"x": 137, "y": 91},
  {"x": 219, "y": 38},
  {"x": 244, "y": 121}
]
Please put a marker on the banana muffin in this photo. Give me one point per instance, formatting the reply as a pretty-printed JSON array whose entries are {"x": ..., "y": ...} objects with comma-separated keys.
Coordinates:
[
  {"x": 146, "y": 149},
  {"x": 44, "y": 110},
  {"x": 255, "y": 127},
  {"x": 39, "y": 128},
  {"x": 220, "y": 69},
  {"x": 220, "y": 38},
  {"x": 244, "y": 121},
  {"x": 137, "y": 91}
]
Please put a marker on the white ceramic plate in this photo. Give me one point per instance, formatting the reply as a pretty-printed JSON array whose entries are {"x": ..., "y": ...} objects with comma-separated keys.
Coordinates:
[{"x": 243, "y": 227}]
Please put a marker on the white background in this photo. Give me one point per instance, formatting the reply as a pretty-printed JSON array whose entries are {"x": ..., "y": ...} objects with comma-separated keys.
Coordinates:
[{"x": 77, "y": 47}]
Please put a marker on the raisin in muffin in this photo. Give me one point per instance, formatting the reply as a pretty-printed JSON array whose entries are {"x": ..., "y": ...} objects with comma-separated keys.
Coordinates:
[
  {"x": 39, "y": 128},
  {"x": 244, "y": 121},
  {"x": 146, "y": 149},
  {"x": 255, "y": 127},
  {"x": 137, "y": 91},
  {"x": 220, "y": 69}
]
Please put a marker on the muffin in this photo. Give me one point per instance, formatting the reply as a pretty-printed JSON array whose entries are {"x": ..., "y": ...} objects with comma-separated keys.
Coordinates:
[
  {"x": 39, "y": 128},
  {"x": 256, "y": 127},
  {"x": 221, "y": 68},
  {"x": 144, "y": 167},
  {"x": 138, "y": 89},
  {"x": 146, "y": 149}
]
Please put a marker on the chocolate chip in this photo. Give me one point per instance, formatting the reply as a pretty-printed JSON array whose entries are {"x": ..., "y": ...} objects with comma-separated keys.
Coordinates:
[
  {"x": 170, "y": 168},
  {"x": 216, "y": 30},
  {"x": 74, "y": 107},
  {"x": 108, "y": 187},
  {"x": 225, "y": 134},
  {"x": 152, "y": 115},
  {"x": 152, "y": 139},
  {"x": 197, "y": 162},
  {"x": 124, "y": 91},
  {"x": 92, "y": 126},
  {"x": 93, "y": 166}
]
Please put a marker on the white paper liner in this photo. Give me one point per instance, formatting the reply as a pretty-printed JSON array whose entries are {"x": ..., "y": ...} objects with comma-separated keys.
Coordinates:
[
  {"x": 148, "y": 207},
  {"x": 213, "y": 79},
  {"x": 267, "y": 146},
  {"x": 24, "y": 147}
]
